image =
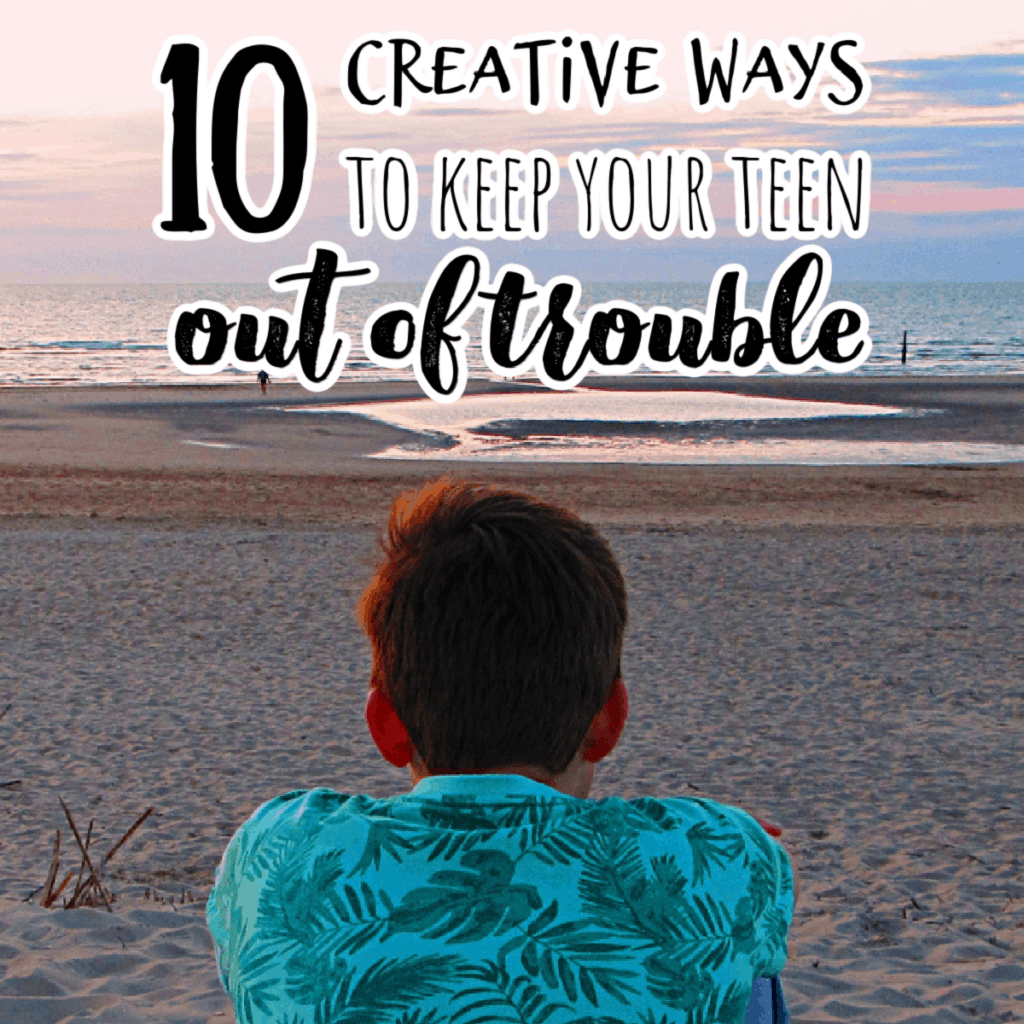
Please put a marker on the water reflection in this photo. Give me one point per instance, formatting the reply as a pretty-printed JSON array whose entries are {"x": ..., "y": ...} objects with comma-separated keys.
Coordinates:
[
  {"x": 582, "y": 405},
  {"x": 552, "y": 427}
]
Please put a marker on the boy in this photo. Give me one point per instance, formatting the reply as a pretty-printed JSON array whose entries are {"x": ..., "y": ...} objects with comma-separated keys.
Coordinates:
[{"x": 495, "y": 890}]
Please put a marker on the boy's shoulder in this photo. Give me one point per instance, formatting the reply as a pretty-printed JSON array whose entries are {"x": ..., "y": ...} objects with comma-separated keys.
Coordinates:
[
  {"x": 698, "y": 820},
  {"x": 543, "y": 846},
  {"x": 306, "y": 812},
  {"x": 718, "y": 848}
]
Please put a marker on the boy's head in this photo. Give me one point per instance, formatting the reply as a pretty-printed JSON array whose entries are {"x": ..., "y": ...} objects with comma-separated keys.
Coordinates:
[{"x": 496, "y": 623}]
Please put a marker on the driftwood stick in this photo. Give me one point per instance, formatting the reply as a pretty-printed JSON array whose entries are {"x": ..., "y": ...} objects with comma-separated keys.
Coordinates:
[
  {"x": 7, "y": 785},
  {"x": 5, "y": 710},
  {"x": 85, "y": 854},
  {"x": 79, "y": 886},
  {"x": 117, "y": 846},
  {"x": 60, "y": 888},
  {"x": 54, "y": 865}
]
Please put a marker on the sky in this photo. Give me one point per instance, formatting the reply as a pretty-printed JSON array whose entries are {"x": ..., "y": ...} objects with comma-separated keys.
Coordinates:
[{"x": 82, "y": 138}]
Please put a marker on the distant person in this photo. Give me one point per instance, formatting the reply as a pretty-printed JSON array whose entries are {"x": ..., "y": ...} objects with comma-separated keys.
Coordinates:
[
  {"x": 495, "y": 889},
  {"x": 263, "y": 377}
]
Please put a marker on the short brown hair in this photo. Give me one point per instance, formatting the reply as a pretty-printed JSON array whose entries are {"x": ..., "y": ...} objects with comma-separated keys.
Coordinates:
[{"x": 496, "y": 622}]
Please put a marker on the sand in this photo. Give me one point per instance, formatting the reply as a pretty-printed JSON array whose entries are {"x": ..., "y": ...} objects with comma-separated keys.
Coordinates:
[{"x": 838, "y": 650}]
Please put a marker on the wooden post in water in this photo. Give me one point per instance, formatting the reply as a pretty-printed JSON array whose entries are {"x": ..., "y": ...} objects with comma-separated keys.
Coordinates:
[{"x": 904, "y": 348}]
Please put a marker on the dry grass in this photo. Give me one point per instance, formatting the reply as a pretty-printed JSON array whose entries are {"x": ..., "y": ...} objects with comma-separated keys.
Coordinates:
[{"x": 89, "y": 890}]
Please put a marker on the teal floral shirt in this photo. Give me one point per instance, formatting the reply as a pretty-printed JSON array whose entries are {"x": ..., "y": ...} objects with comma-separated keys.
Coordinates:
[{"x": 480, "y": 899}]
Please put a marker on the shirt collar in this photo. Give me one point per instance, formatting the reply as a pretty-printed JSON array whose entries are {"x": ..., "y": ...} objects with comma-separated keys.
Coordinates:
[{"x": 485, "y": 787}]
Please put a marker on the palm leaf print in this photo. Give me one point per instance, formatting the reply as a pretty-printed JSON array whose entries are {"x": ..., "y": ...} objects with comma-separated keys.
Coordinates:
[
  {"x": 616, "y": 892},
  {"x": 693, "y": 993},
  {"x": 314, "y": 975},
  {"x": 709, "y": 847},
  {"x": 295, "y": 906},
  {"x": 253, "y": 982},
  {"x": 679, "y": 984},
  {"x": 557, "y": 841},
  {"x": 449, "y": 845},
  {"x": 383, "y": 836},
  {"x": 502, "y": 999},
  {"x": 258, "y": 849},
  {"x": 731, "y": 1005},
  {"x": 744, "y": 928},
  {"x": 391, "y": 985},
  {"x": 519, "y": 810},
  {"x": 607, "y": 1020},
  {"x": 266, "y": 855},
  {"x": 466, "y": 906},
  {"x": 573, "y": 957},
  {"x": 647, "y": 1018},
  {"x": 774, "y": 929},
  {"x": 762, "y": 885},
  {"x": 419, "y": 1016},
  {"x": 653, "y": 815},
  {"x": 462, "y": 826},
  {"x": 668, "y": 875},
  {"x": 692, "y": 938},
  {"x": 458, "y": 813},
  {"x": 703, "y": 931},
  {"x": 303, "y": 903},
  {"x": 365, "y": 915}
]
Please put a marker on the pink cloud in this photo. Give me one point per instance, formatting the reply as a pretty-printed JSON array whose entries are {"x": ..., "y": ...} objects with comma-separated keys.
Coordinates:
[{"x": 942, "y": 197}]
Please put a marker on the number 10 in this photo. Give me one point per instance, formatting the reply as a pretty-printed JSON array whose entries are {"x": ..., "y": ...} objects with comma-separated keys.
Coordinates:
[{"x": 205, "y": 132}]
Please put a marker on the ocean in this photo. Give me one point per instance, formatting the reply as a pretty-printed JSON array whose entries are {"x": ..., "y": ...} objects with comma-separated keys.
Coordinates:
[{"x": 65, "y": 335}]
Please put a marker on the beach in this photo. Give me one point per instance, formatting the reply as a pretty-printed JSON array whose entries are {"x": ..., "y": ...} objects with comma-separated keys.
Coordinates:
[{"x": 836, "y": 648}]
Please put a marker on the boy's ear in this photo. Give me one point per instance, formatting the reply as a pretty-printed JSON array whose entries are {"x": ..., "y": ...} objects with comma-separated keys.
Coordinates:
[
  {"x": 608, "y": 723},
  {"x": 387, "y": 729}
]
